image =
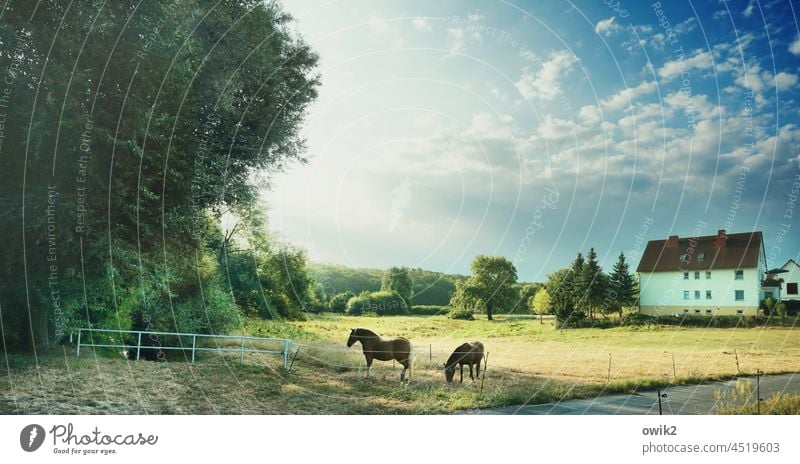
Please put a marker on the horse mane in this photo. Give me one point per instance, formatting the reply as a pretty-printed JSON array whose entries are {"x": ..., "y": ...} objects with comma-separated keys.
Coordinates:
[{"x": 365, "y": 332}]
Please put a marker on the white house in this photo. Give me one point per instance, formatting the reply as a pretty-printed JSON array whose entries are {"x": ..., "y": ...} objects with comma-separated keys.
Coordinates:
[
  {"x": 715, "y": 275},
  {"x": 790, "y": 279}
]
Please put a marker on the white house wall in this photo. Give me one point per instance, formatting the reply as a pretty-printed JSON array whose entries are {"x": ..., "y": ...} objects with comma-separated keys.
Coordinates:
[
  {"x": 661, "y": 293},
  {"x": 793, "y": 276}
]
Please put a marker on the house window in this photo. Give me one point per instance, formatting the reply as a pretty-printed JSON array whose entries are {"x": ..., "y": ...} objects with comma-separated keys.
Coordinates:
[
  {"x": 696, "y": 275},
  {"x": 708, "y": 294},
  {"x": 701, "y": 256},
  {"x": 697, "y": 294},
  {"x": 696, "y": 312},
  {"x": 686, "y": 294},
  {"x": 686, "y": 275},
  {"x": 708, "y": 274},
  {"x": 685, "y": 312},
  {"x": 685, "y": 258},
  {"x": 739, "y": 294},
  {"x": 708, "y": 312},
  {"x": 768, "y": 295},
  {"x": 739, "y": 274},
  {"x": 739, "y": 312},
  {"x": 791, "y": 288}
]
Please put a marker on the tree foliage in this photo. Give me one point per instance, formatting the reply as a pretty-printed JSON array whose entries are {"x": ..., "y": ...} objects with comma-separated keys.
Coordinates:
[
  {"x": 398, "y": 279},
  {"x": 540, "y": 303},
  {"x": 622, "y": 290},
  {"x": 134, "y": 126},
  {"x": 383, "y": 303},
  {"x": 490, "y": 287}
]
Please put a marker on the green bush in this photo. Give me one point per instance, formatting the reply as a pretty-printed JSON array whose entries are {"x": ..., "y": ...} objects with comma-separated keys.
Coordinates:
[
  {"x": 780, "y": 310},
  {"x": 379, "y": 303},
  {"x": 338, "y": 303},
  {"x": 697, "y": 321},
  {"x": 429, "y": 310},
  {"x": 464, "y": 314}
]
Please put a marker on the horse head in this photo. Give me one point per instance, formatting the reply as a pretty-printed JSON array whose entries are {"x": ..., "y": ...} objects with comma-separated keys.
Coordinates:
[
  {"x": 449, "y": 372},
  {"x": 353, "y": 337}
]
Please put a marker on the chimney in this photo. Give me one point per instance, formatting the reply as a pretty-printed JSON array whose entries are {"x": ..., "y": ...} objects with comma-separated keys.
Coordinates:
[
  {"x": 672, "y": 241},
  {"x": 721, "y": 238}
]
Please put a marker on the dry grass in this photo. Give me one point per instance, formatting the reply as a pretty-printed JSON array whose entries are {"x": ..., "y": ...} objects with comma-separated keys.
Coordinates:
[{"x": 528, "y": 363}]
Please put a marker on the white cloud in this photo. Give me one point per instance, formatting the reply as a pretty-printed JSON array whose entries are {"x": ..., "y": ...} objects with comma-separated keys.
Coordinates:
[
  {"x": 628, "y": 95},
  {"x": 488, "y": 126},
  {"x": 693, "y": 106},
  {"x": 795, "y": 47},
  {"x": 456, "y": 39},
  {"x": 785, "y": 81},
  {"x": 607, "y": 27},
  {"x": 421, "y": 24},
  {"x": 544, "y": 84},
  {"x": 749, "y": 10},
  {"x": 673, "y": 69},
  {"x": 684, "y": 27},
  {"x": 590, "y": 114}
]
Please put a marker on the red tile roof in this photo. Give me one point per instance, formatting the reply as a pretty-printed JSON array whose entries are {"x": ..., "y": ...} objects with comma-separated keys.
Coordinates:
[{"x": 737, "y": 251}]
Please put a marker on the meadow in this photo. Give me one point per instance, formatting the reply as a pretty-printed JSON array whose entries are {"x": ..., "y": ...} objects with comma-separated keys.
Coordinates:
[{"x": 528, "y": 362}]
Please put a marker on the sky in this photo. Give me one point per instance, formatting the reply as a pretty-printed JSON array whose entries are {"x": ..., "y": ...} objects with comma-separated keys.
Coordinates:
[{"x": 534, "y": 130}]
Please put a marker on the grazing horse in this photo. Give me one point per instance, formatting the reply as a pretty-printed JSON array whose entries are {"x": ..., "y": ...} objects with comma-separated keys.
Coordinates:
[
  {"x": 469, "y": 354},
  {"x": 374, "y": 347}
]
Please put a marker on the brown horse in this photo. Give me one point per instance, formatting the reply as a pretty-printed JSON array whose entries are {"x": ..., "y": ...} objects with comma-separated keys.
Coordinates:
[
  {"x": 469, "y": 354},
  {"x": 374, "y": 347}
]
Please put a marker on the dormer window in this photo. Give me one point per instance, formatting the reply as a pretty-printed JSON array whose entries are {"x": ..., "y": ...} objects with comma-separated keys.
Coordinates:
[
  {"x": 701, "y": 256},
  {"x": 685, "y": 258},
  {"x": 739, "y": 274}
]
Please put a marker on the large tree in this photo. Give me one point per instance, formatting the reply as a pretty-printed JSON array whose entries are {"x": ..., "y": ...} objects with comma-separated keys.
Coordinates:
[
  {"x": 622, "y": 287},
  {"x": 592, "y": 283},
  {"x": 491, "y": 285},
  {"x": 398, "y": 279},
  {"x": 561, "y": 289},
  {"x": 135, "y": 126}
]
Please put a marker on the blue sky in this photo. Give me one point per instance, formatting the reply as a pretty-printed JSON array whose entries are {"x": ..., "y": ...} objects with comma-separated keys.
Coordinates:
[{"x": 537, "y": 129}]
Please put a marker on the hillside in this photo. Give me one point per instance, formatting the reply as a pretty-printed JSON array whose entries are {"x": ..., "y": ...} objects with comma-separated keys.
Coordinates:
[{"x": 430, "y": 288}]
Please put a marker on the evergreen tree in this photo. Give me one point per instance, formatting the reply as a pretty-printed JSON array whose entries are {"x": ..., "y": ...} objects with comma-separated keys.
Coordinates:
[
  {"x": 622, "y": 287},
  {"x": 593, "y": 283},
  {"x": 577, "y": 288}
]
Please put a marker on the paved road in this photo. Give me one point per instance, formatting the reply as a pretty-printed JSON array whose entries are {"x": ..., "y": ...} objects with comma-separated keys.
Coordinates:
[{"x": 690, "y": 399}]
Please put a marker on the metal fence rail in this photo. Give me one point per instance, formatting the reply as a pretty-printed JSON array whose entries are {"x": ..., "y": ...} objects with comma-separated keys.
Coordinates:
[{"x": 285, "y": 343}]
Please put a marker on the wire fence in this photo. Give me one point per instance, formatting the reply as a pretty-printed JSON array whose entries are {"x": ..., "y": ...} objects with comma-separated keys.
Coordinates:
[{"x": 231, "y": 343}]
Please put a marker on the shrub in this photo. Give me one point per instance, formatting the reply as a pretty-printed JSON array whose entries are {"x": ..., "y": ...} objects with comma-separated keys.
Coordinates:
[
  {"x": 429, "y": 310},
  {"x": 780, "y": 310},
  {"x": 338, "y": 303},
  {"x": 381, "y": 303},
  {"x": 461, "y": 313}
]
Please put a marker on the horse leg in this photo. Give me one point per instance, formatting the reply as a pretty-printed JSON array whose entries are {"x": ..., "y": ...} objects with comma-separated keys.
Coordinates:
[
  {"x": 478, "y": 369},
  {"x": 470, "y": 372},
  {"x": 369, "y": 365},
  {"x": 403, "y": 373},
  {"x": 462, "y": 372}
]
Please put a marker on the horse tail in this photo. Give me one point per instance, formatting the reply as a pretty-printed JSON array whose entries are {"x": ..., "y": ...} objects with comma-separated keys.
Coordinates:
[{"x": 410, "y": 360}]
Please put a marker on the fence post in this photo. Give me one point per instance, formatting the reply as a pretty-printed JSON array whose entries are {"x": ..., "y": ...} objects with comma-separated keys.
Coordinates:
[
  {"x": 430, "y": 353},
  {"x": 79, "y": 341},
  {"x": 139, "y": 346},
  {"x": 242, "y": 355},
  {"x": 286, "y": 353},
  {"x": 194, "y": 346}
]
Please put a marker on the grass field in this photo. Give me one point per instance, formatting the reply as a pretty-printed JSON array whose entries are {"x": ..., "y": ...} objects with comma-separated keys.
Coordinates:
[{"x": 528, "y": 362}]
